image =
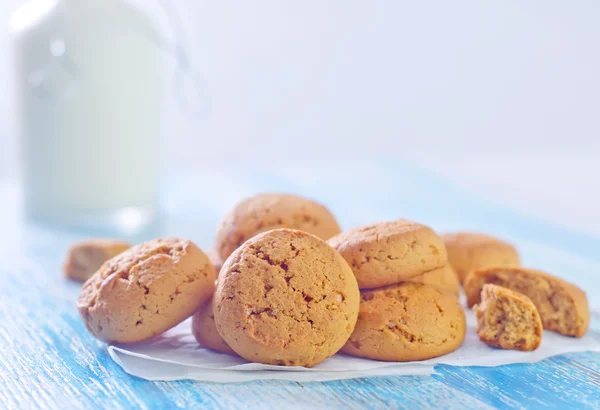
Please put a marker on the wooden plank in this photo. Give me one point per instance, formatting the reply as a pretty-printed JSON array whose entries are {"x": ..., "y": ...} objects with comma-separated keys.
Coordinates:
[{"x": 48, "y": 360}]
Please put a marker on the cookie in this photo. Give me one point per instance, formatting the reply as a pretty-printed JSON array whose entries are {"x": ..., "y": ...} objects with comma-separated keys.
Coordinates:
[
  {"x": 215, "y": 259},
  {"x": 407, "y": 322},
  {"x": 562, "y": 306},
  {"x": 285, "y": 297},
  {"x": 205, "y": 330},
  {"x": 85, "y": 258},
  {"x": 146, "y": 290},
  {"x": 390, "y": 252},
  {"x": 265, "y": 212},
  {"x": 468, "y": 251},
  {"x": 507, "y": 319},
  {"x": 444, "y": 278}
]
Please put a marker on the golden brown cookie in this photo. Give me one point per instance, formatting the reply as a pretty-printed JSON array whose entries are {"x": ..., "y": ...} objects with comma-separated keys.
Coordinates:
[
  {"x": 215, "y": 259},
  {"x": 205, "y": 330},
  {"x": 264, "y": 212},
  {"x": 507, "y": 319},
  {"x": 85, "y": 258},
  {"x": 285, "y": 297},
  {"x": 563, "y": 307},
  {"x": 407, "y": 322},
  {"x": 390, "y": 252},
  {"x": 146, "y": 290},
  {"x": 443, "y": 278},
  {"x": 468, "y": 251}
]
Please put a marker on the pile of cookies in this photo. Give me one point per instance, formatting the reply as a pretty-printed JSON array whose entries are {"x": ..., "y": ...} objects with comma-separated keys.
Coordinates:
[
  {"x": 409, "y": 307},
  {"x": 284, "y": 286}
]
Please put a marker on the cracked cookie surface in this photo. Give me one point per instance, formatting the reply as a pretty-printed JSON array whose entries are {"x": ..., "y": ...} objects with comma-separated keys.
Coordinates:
[
  {"x": 265, "y": 212},
  {"x": 146, "y": 290},
  {"x": 562, "y": 306},
  {"x": 390, "y": 252},
  {"x": 468, "y": 251},
  {"x": 285, "y": 297},
  {"x": 407, "y": 322}
]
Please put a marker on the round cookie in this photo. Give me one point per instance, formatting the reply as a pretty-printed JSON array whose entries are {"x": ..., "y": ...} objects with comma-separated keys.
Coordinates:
[
  {"x": 146, "y": 290},
  {"x": 205, "y": 330},
  {"x": 443, "y": 278},
  {"x": 468, "y": 251},
  {"x": 390, "y": 252},
  {"x": 407, "y": 322},
  {"x": 215, "y": 259},
  {"x": 285, "y": 297},
  {"x": 264, "y": 212},
  {"x": 203, "y": 321}
]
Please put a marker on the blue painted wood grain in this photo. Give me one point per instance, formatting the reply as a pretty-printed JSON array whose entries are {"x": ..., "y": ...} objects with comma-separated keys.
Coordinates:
[{"x": 49, "y": 361}]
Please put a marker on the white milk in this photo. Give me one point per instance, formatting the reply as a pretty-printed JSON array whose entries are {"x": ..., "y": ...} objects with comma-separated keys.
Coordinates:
[{"x": 88, "y": 88}]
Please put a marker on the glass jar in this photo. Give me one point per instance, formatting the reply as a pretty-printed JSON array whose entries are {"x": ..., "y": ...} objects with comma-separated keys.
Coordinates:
[{"x": 88, "y": 85}]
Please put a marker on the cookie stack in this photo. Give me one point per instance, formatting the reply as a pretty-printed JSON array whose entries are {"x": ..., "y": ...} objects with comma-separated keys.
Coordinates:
[
  {"x": 409, "y": 308},
  {"x": 401, "y": 267}
]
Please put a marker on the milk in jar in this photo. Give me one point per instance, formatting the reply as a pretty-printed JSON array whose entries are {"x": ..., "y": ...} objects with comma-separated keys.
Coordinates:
[{"x": 87, "y": 81}]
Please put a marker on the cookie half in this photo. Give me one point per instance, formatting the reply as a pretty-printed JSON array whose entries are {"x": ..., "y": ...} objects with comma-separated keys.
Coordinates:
[
  {"x": 563, "y": 306},
  {"x": 507, "y": 319}
]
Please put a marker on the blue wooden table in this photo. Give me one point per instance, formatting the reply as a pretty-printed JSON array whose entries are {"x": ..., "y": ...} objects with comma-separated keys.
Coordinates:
[{"x": 49, "y": 361}]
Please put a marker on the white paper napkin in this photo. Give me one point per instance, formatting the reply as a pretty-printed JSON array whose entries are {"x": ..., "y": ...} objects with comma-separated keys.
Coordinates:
[{"x": 176, "y": 355}]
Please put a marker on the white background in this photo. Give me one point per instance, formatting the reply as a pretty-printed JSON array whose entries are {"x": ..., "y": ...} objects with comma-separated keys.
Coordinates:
[{"x": 502, "y": 97}]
